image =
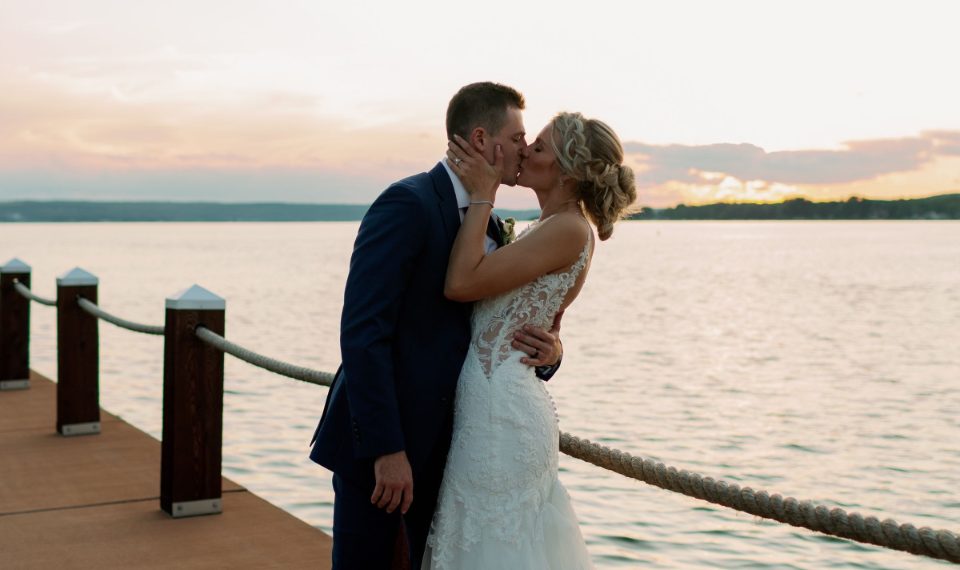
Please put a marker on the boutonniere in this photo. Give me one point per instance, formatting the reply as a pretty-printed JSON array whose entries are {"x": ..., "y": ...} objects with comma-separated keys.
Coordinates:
[{"x": 507, "y": 227}]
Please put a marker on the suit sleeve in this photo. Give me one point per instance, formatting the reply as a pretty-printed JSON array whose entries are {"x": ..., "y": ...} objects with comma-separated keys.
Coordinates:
[
  {"x": 391, "y": 235},
  {"x": 547, "y": 371}
]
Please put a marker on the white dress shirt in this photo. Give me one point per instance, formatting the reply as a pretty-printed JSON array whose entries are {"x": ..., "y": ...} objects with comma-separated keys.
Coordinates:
[{"x": 463, "y": 201}]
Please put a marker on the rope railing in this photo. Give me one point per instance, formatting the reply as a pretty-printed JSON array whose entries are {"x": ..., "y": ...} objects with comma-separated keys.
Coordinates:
[
  {"x": 940, "y": 544},
  {"x": 265, "y": 362},
  {"x": 27, "y": 293},
  {"x": 99, "y": 313}
]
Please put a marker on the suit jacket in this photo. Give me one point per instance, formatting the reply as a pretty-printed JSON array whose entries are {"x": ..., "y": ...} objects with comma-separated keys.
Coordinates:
[{"x": 402, "y": 342}]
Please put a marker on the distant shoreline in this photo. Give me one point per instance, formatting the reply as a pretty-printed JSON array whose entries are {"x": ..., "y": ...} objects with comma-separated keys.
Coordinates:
[
  {"x": 942, "y": 207},
  {"x": 28, "y": 211}
]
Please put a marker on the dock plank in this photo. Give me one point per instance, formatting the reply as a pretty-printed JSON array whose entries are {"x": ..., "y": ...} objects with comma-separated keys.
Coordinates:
[
  {"x": 93, "y": 501},
  {"x": 31, "y": 408},
  {"x": 250, "y": 533}
]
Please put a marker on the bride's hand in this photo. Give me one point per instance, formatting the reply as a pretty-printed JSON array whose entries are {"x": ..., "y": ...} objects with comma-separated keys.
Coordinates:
[{"x": 480, "y": 178}]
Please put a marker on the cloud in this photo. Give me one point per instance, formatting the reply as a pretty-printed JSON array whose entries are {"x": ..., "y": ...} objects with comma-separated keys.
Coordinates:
[
  {"x": 856, "y": 161},
  {"x": 268, "y": 144},
  {"x": 43, "y": 127},
  {"x": 945, "y": 142},
  {"x": 732, "y": 189}
]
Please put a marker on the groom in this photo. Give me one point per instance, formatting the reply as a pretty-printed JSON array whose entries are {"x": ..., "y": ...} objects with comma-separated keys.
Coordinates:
[{"x": 386, "y": 427}]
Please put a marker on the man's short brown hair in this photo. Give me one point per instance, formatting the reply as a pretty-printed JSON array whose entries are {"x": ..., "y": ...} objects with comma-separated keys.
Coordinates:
[{"x": 481, "y": 104}]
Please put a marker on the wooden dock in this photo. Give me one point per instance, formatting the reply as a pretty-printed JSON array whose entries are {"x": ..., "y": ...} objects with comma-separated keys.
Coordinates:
[{"x": 93, "y": 501}]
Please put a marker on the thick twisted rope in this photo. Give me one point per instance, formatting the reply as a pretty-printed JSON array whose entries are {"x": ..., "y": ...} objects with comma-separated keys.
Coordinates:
[
  {"x": 265, "y": 362},
  {"x": 27, "y": 293},
  {"x": 96, "y": 311},
  {"x": 925, "y": 541}
]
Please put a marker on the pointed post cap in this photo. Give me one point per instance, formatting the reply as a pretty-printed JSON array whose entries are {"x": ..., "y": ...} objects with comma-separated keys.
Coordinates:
[
  {"x": 77, "y": 277},
  {"x": 196, "y": 298},
  {"x": 15, "y": 265}
]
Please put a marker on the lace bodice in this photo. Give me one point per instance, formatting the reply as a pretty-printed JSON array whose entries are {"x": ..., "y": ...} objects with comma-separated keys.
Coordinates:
[{"x": 496, "y": 319}]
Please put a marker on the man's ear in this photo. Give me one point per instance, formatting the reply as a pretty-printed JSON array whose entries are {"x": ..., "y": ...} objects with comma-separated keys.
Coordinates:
[{"x": 479, "y": 139}]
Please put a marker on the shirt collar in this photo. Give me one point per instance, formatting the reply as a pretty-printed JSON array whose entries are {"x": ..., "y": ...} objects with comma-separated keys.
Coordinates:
[{"x": 463, "y": 198}]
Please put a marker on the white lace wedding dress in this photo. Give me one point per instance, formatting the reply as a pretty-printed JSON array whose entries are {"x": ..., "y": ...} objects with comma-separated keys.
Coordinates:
[{"x": 501, "y": 504}]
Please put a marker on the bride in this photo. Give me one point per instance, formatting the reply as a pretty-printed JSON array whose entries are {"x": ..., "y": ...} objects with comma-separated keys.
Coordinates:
[{"x": 501, "y": 503}]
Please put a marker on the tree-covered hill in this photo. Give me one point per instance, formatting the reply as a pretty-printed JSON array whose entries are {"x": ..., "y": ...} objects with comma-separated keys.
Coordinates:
[
  {"x": 31, "y": 211},
  {"x": 943, "y": 207}
]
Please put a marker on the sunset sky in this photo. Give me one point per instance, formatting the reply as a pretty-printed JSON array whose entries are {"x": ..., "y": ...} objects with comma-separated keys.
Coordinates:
[{"x": 311, "y": 101}]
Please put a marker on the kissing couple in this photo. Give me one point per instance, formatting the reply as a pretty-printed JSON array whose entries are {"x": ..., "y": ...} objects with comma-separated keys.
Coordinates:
[{"x": 438, "y": 418}]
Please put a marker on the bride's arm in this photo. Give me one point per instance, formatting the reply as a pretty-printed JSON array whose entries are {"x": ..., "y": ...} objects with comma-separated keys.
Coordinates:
[
  {"x": 472, "y": 274},
  {"x": 481, "y": 181}
]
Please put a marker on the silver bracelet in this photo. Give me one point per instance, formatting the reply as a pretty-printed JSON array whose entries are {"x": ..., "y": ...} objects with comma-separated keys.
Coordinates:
[{"x": 478, "y": 202}]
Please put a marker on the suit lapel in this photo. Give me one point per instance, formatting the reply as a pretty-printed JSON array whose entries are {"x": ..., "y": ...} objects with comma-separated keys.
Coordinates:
[
  {"x": 446, "y": 201},
  {"x": 493, "y": 229},
  {"x": 450, "y": 213}
]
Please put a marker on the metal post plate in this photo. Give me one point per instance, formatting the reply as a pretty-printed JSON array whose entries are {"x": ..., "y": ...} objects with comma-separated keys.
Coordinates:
[
  {"x": 196, "y": 508},
  {"x": 14, "y": 384},
  {"x": 90, "y": 428}
]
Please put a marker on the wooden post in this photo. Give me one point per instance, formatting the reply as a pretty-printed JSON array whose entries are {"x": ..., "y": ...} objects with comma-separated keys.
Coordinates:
[
  {"x": 190, "y": 457},
  {"x": 14, "y": 327},
  {"x": 78, "y": 356}
]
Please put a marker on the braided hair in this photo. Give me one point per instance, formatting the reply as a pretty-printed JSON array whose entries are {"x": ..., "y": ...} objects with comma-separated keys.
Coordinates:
[{"x": 589, "y": 151}]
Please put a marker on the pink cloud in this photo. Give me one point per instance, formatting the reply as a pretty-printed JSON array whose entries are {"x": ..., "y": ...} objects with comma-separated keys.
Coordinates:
[{"x": 857, "y": 161}]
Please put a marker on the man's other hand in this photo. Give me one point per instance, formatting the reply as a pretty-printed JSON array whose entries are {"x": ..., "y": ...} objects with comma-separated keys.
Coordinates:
[
  {"x": 394, "y": 482},
  {"x": 542, "y": 347}
]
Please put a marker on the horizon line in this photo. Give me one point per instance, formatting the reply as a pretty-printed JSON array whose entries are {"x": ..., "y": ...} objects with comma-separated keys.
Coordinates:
[{"x": 367, "y": 204}]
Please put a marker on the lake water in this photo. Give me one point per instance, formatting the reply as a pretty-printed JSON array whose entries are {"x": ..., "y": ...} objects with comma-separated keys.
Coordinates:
[{"x": 820, "y": 360}]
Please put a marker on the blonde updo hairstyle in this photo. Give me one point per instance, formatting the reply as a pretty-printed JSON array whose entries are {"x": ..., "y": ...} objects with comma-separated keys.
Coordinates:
[{"x": 589, "y": 151}]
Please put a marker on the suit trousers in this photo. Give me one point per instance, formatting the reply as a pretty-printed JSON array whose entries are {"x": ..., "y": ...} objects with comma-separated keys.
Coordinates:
[{"x": 365, "y": 536}]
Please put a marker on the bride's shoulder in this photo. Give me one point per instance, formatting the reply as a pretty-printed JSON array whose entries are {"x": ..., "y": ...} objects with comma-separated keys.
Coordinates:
[
  {"x": 566, "y": 229},
  {"x": 569, "y": 223}
]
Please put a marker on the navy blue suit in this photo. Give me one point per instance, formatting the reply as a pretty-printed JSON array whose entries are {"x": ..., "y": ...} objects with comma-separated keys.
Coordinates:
[{"x": 402, "y": 344}]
